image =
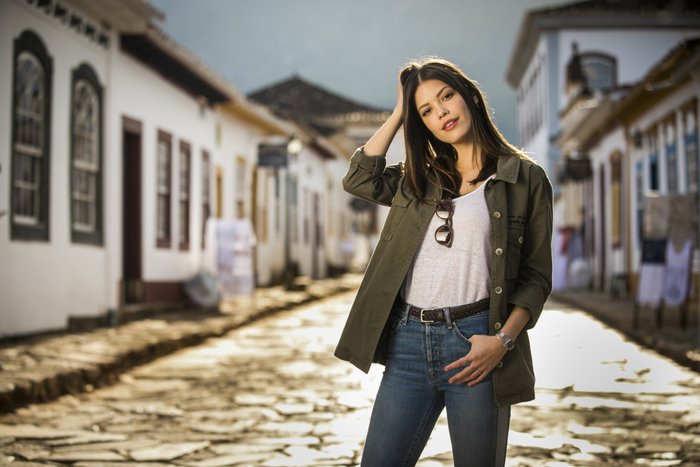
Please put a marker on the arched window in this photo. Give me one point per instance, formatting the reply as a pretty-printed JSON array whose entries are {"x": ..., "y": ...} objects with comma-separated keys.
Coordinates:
[
  {"x": 600, "y": 71},
  {"x": 86, "y": 157},
  {"x": 31, "y": 122}
]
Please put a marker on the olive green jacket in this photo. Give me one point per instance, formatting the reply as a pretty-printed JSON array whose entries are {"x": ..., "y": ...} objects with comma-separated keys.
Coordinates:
[{"x": 519, "y": 199}]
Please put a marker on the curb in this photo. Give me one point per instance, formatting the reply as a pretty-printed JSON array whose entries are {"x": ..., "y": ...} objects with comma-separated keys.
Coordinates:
[{"x": 36, "y": 372}]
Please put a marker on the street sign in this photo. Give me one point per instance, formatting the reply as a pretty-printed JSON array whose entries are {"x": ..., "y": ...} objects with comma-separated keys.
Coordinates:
[{"x": 272, "y": 155}]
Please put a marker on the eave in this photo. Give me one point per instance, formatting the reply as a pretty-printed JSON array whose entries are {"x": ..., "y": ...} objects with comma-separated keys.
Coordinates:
[
  {"x": 536, "y": 23},
  {"x": 125, "y": 16},
  {"x": 177, "y": 65}
]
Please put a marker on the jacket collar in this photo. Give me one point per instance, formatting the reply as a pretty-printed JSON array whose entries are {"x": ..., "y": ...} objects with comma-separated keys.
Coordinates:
[{"x": 508, "y": 168}]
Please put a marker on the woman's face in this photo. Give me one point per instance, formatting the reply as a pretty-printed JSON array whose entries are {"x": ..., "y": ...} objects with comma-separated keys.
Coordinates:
[{"x": 443, "y": 111}]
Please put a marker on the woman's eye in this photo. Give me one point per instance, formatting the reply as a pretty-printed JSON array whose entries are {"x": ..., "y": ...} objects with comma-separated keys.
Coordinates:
[
  {"x": 447, "y": 96},
  {"x": 425, "y": 113}
]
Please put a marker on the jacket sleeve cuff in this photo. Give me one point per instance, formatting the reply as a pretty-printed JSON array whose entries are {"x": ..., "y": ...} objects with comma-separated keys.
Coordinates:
[
  {"x": 372, "y": 164},
  {"x": 531, "y": 304}
]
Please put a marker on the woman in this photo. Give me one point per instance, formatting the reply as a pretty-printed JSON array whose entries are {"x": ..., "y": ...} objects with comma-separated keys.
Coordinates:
[{"x": 461, "y": 271}]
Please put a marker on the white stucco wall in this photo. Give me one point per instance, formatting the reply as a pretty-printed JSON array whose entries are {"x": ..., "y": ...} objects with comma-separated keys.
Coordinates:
[
  {"x": 159, "y": 105},
  {"x": 239, "y": 141},
  {"x": 76, "y": 279},
  {"x": 72, "y": 278},
  {"x": 312, "y": 180},
  {"x": 537, "y": 144},
  {"x": 270, "y": 210}
]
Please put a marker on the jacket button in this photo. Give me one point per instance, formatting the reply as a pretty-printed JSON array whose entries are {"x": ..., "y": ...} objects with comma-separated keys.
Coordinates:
[
  {"x": 497, "y": 215},
  {"x": 497, "y": 326},
  {"x": 499, "y": 251},
  {"x": 520, "y": 239},
  {"x": 489, "y": 184},
  {"x": 500, "y": 365},
  {"x": 498, "y": 290}
]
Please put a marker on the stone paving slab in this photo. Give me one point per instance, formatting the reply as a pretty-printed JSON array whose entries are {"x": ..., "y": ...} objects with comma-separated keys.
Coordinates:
[
  {"x": 43, "y": 368},
  {"x": 244, "y": 399},
  {"x": 167, "y": 451},
  {"x": 86, "y": 456}
]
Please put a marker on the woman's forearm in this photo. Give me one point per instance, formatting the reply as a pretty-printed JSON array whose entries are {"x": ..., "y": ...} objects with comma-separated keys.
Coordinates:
[
  {"x": 516, "y": 322},
  {"x": 379, "y": 143}
]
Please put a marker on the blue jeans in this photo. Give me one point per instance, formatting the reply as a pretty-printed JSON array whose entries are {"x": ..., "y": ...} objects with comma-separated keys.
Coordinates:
[{"x": 414, "y": 390}]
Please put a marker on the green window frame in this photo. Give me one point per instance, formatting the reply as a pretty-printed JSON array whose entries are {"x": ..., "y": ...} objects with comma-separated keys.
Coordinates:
[
  {"x": 164, "y": 190},
  {"x": 30, "y": 140},
  {"x": 86, "y": 156},
  {"x": 185, "y": 169},
  {"x": 206, "y": 194}
]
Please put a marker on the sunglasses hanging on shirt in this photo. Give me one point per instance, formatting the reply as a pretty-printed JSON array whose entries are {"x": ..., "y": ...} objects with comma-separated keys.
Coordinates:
[{"x": 444, "y": 210}]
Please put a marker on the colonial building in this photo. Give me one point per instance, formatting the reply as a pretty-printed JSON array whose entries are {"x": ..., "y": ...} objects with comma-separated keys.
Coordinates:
[
  {"x": 615, "y": 42},
  {"x": 334, "y": 127},
  {"x": 638, "y": 142},
  {"x": 120, "y": 145}
]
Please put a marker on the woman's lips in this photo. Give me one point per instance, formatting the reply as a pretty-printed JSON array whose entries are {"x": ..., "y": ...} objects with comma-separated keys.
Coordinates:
[{"x": 449, "y": 124}]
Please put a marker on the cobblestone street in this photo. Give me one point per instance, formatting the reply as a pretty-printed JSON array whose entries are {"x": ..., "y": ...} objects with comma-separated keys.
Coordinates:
[{"x": 272, "y": 394}]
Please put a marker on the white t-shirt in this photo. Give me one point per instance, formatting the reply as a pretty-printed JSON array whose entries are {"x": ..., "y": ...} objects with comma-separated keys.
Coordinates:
[{"x": 440, "y": 276}]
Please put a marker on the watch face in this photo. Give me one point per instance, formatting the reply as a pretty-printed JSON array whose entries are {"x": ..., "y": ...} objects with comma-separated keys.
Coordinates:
[{"x": 507, "y": 341}]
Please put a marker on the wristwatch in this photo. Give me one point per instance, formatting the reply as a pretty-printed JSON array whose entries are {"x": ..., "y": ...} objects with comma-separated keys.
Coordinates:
[{"x": 505, "y": 340}]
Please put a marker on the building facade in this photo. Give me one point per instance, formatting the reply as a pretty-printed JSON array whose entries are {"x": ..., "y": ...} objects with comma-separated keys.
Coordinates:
[
  {"x": 120, "y": 145},
  {"x": 329, "y": 232},
  {"x": 616, "y": 43},
  {"x": 57, "y": 222},
  {"x": 641, "y": 144}
]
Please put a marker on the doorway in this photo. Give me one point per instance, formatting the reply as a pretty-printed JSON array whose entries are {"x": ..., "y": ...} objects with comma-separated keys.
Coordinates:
[
  {"x": 602, "y": 271},
  {"x": 317, "y": 236},
  {"x": 132, "y": 255}
]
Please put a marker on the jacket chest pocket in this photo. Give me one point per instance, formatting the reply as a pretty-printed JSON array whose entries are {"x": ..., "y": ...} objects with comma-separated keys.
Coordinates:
[
  {"x": 516, "y": 237},
  {"x": 399, "y": 206}
]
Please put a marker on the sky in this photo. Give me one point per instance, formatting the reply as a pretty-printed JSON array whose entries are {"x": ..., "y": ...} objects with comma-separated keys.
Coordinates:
[{"x": 353, "y": 47}]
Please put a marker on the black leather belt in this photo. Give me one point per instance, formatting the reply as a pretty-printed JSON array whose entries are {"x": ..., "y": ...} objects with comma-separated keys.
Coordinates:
[{"x": 437, "y": 315}]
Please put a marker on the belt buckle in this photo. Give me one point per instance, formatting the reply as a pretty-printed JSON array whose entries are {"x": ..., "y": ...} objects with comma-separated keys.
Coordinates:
[{"x": 423, "y": 320}]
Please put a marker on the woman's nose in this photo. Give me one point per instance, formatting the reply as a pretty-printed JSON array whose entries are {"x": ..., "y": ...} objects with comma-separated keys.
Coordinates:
[{"x": 442, "y": 111}]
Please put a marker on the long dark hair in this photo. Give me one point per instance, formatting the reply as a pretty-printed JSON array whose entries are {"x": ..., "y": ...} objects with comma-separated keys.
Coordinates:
[{"x": 429, "y": 160}]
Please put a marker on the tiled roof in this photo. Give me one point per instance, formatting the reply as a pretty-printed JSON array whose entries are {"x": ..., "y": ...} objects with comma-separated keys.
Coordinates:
[
  {"x": 666, "y": 74},
  {"x": 636, "y": 7},
  {"x": 155, "y": 49},
  {"x": 176, "y": 64},
  {"x": 299, "y": 99},
  {"x": 662, "y": 79}
]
